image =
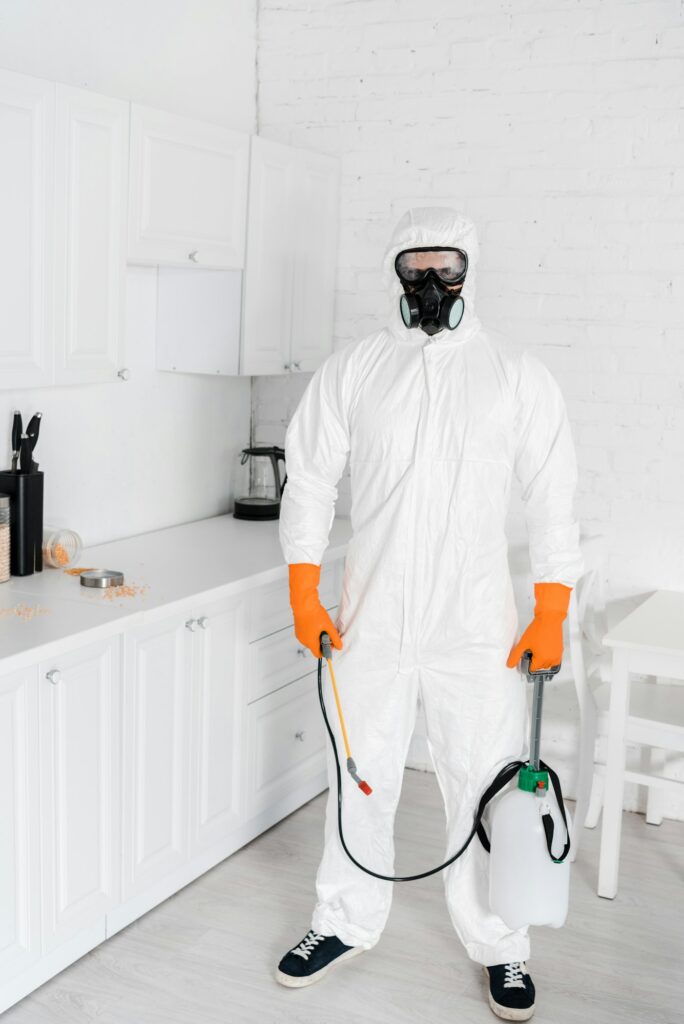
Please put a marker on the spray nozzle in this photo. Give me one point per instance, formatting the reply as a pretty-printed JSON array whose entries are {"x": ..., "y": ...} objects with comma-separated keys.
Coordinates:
[{"x": 363, "y": 786}]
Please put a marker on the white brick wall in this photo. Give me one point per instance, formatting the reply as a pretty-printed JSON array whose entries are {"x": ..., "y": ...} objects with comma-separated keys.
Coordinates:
[{"x": 559, "y": 129}]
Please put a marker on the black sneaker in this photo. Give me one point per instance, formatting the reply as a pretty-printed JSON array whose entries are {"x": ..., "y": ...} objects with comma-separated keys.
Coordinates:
[
  {"x": 312, "y": 958},
  {"x": 511, "y": 992}
]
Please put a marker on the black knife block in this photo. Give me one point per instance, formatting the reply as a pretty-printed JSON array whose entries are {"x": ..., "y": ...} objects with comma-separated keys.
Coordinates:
[{"x": 26, "y": 520}]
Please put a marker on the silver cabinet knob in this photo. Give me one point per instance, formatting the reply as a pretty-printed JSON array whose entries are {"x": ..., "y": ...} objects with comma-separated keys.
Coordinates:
[
  {"x": 124, "y": 374},
  {"x": 287, "y": 367},
  {"x": 302, "y": 651},
  {"x": 203, "y": 622},
  {"x": 300, "y": 735},
  {"x": 296, "y": 366},
  {"x": 190, "y": 624},
  {"x": 53, "y": 676},
  {"x": 194, "y": 256}
]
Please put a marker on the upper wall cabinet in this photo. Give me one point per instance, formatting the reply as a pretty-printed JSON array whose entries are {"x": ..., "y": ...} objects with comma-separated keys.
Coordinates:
[
  {"x": 27, "y": 116},
  {"x": 63, "y": 178},
  {"x": 188, "y": 195},
  {"x": 291, "y": 258},
  {"x": 91, "y": 152}
]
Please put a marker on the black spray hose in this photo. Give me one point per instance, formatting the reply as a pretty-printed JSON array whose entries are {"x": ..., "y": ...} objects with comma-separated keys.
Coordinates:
[{"x": 504, "y": 776}]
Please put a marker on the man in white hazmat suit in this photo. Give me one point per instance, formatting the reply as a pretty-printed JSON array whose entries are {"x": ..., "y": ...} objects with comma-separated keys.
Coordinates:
[{"x": 436, "y": 416}]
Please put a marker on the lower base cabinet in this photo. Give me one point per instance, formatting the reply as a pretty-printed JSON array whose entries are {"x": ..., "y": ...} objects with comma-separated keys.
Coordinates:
[
  {"x": 20, "y": 830},
  {"x": 79, "y": 696},
  {"x": 130, "y": 766},
  {"x": 286, "y": 742},
  {"x": 156, "y": 753}
]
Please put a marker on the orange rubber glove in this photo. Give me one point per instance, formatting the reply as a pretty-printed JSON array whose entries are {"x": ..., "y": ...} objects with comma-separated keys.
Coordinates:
[
  {"x": 310, "y": 617},
  {"x": 544, "y": 635}
]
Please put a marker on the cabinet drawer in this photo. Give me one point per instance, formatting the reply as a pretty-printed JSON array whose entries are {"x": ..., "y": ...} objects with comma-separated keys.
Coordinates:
[
  {"x": 269, "y": 606},
  {"x": 286, "y": 743},
  {"x": 275, "y": 661}
]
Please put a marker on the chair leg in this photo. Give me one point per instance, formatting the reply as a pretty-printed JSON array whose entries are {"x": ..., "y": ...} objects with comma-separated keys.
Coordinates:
[
  {"x": 586, "y": 777},
  {"x": 595, "y": 802},
  {"x": 655, "y": 800},
  {"x": 587, "y": 723},
  {"x": 611, "y": 825}
]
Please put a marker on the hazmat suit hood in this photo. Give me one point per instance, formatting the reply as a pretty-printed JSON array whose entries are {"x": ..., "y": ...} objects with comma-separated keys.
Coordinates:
[{"x": 432, "y": 226}]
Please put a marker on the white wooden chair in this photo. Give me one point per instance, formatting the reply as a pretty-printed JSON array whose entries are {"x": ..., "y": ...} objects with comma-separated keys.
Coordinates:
[{"x": 655, "y": 719}]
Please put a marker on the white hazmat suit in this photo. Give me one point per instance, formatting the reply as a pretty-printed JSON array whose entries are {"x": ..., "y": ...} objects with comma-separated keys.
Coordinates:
[{"x": 435, "y": 427}]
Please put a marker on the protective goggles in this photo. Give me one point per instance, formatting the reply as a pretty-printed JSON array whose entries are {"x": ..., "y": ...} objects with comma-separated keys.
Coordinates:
[{"x": 413, "y": 265}]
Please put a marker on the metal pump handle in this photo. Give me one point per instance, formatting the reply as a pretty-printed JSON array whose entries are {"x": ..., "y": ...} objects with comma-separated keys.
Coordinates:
[{"x": 541, "y": 676}]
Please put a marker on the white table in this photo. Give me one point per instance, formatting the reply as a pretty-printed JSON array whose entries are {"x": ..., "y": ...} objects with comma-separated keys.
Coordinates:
[{"x": 649, "y": 641}]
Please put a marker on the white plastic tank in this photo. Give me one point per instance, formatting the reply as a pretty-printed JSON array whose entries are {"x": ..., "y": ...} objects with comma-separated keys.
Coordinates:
[{"x": 526, "y": 886}]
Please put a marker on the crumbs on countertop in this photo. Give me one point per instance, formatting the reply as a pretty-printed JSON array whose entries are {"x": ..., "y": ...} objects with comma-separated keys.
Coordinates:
[
  {"x": 125, "y": 590},
  {"x": 25, "y": 611},
  {"x": 113, "y": 593}
]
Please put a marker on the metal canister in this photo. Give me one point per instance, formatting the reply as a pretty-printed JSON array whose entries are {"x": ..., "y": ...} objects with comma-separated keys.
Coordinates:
[{"x": 4, "y": 538}]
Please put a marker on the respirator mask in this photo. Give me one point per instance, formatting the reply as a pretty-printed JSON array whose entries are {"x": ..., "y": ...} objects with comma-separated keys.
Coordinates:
[{"x": 432, "y": 279}]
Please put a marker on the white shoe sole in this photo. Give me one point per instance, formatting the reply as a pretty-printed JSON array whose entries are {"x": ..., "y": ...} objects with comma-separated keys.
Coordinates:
[
  {"x": 506, "y": 1012},
  {"x": 289, "y": 981}
]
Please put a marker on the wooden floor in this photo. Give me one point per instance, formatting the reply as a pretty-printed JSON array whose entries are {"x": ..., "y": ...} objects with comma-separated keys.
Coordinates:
[{"x": 207, "y": 955}]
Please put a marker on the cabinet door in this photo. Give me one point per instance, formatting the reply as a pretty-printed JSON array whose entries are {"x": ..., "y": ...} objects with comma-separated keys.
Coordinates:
[
  {"x": 80, "y": 737},
  {"x": 156, "y": 733},
  {"x": 315, "y": 207},
  {"x": 91, "y": 144},
  {"x": 20, "y": 817},
  {"x": 188, "y": 193},
  {"x": 269, "y": 265},
  {"x": 218, "y": 699},
  {"x": 27, "y": 110}
]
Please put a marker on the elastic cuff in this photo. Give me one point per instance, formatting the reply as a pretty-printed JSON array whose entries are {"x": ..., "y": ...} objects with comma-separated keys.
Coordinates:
[
  {"x": 514, "y": 949},
  {"x": 351, "y": 935}
]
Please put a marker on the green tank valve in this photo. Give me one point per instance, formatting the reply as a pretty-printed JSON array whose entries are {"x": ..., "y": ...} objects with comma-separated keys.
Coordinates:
[{"x": 533, "y": 780}]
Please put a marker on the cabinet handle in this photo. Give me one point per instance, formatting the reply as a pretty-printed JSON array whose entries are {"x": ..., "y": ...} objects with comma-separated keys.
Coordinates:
[
  {"x": 194, "y": 255},
  {"x": 53, "y": 676},
  {"x": 287, "y": 367},
  {"x": 302, "y": 651},
  {"x": 300, "y": 735},
  {"x": 124, "y": 374},
  {"x": 190, "y": 624},
  {"x": 203, "y": 622},
  {"x": 297, "y": 366}
]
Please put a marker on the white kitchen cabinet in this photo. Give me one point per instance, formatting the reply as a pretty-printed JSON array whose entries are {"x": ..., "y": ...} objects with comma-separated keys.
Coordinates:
[
  {"x": 156, "y": 751},
  {"x": 198, "y": 320},
  {"x": 288, "y": 294},
  {"x": 20, "y": 830},
  {"x": 91, "y": 157},
  {"x": 122, "y": 779},
  {"x": 216, "y": 801},
  {"x": 27, "y": 114},
  {"x": 315, "y": 209},
  {"x": 63, "y": 196},
  {"x": 286, "y": 743},
  {"x": 79, "y": 696},
  {"x": 188, "y": 191}
]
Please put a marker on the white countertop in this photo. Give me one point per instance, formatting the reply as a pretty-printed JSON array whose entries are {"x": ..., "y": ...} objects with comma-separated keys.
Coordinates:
[{"x": 163, "y": 568}]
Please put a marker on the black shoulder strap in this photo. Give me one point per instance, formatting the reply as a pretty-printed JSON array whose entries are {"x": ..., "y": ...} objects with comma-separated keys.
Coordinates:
[
  {"x": 507, "y": 773},
  {"x": 502, "y": 779}
]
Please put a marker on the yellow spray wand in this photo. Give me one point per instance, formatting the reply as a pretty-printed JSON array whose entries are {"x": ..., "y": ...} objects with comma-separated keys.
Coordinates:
[{"x": 326, "y": 650}]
